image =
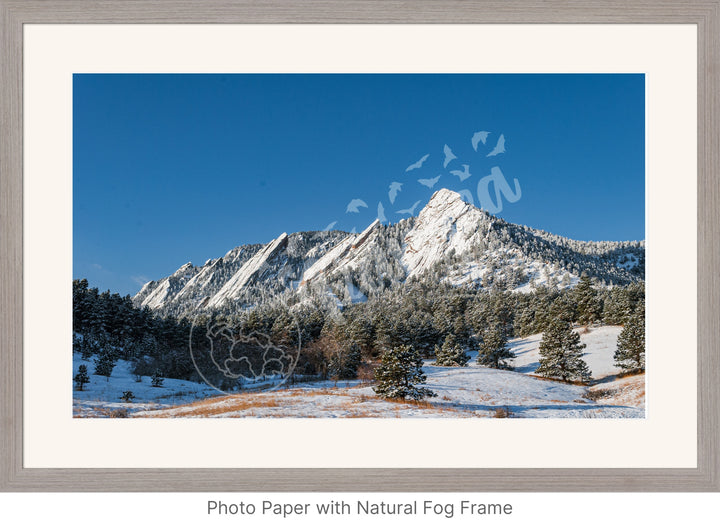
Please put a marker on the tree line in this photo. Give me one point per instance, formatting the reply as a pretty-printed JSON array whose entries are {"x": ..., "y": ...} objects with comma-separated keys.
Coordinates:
[{"x": 432, "y": 320}]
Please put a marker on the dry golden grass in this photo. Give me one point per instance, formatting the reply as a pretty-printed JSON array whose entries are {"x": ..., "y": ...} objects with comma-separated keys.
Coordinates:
[
  {"x": 574, "y": 383},
  {"x": 240, "y": 403},
  {"x": 595, "y": 395},
  {"x": 359, "y": 414},
  {"x": 416, "y": 404},
  {"x": 345, "y": 403},
  {"x": 502, "y": 412},
  {"x": 224, "y": 405},
  {"x": 630, "y": 374},
  {"x": 625, "y": 391}
]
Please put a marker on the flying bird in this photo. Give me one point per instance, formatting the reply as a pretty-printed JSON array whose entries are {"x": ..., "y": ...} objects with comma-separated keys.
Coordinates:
[
  {"x": 429, "y": 182},
  {"x": 449, "y": 156},
  {"x": 418, "y": 164},
  {"x": 329, "y": 227},
  {"x": 480, "y": 136},
  {"x": 395, "y": 187},
  {"x": 410, "y": 211},
  {"x": 381, "y": 213},
  {"x": 464, "y": 174},
  {"x": 499, "y": 147},
  {"x": 354, "y": 204}
]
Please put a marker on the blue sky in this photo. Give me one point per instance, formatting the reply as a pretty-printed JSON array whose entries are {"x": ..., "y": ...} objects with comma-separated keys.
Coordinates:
[{"x": 176, "y": 168}]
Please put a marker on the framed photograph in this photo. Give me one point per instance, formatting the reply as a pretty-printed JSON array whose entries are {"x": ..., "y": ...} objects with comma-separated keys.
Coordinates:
[{"x": 449, "y": 246}]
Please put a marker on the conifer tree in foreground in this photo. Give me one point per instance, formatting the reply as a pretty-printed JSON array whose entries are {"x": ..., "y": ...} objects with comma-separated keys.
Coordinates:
[
  {"x": 82, "y": 377},
  {"x": 157, "y": 379},
  {"x": 494, "y": 351},
  {"x": 561, "y": 354},
  {"x": 451, "y": 353},
  {"x": 399, "y": 373},
  {"x": 630, "y": 353}
]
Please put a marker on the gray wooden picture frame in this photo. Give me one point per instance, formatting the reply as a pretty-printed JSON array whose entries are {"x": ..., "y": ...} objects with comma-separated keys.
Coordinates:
[{"x": 15, "y": 13}]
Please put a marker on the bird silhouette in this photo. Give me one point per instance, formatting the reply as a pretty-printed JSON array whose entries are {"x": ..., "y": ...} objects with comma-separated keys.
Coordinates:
[
  {"x": 381, "y": 213},
  {"x": 464, "y": 174},
  {"x": 329, "y": 227},
  {"x": 499, "y": 147},
  {"x": 480, "y": 136},
  {"x": 418, "y": 164},
  {"x": 354, "y": 204},
  {"x": 410, "y": 211},
  {"x": 395, "y": 187},
  {"x": 429, "y": 182},
  {"x": 449, "y": 156}
]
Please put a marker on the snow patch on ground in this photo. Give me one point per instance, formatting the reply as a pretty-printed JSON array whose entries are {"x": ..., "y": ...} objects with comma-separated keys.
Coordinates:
[
  {"x": 472, "y": 391},
  {"x": 103, "y": 395},
  {"x": 601, "y": 343}
]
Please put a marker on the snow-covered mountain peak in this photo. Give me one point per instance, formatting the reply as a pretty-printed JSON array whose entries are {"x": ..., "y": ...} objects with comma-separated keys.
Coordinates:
[
  {"x": 449, "y": 241},
  {"x": 447, "y": 223},
  {"x": 444, "y": 196},
  {"x": 184, "y": 269}
]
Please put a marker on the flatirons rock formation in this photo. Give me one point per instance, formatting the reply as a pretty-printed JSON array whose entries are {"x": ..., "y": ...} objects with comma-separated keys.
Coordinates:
[{"x": 449, "y": 241}]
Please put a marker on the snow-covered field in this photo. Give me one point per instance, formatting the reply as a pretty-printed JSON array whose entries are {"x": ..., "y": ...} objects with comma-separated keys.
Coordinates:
[
  {"x": 102, "y": 396},
  {"x": 600, "y": 347},
  {"x": 471, "y": 391}
]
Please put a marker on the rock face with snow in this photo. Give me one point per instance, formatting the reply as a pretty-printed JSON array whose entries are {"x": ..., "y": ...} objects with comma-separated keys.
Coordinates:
[
  {"x": 252, "y": 268},
  {"x": 159, "y": 293},
  {"x": 446, "y": 226},
  {"x": 449, "y": 241},
  {"x": 340, "y": 257},
  {"x": 245, "y": 276}
]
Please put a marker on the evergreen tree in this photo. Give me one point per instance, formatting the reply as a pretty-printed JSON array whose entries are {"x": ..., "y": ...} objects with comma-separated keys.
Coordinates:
[
  {"x": 104, "y": 364},
  {"x": 399, "y": 373},
  {"x": 423, "y": 333},
  {"x": 340, "y": 355},
  {"x": 450, "y": 353},
  {"x": 493, "y": 350},
  {"x": 561, "y": 354},
  {"x": 502, "y": 315},
  {"x": 148, "y": 346},
  {"x": 82, "y": 377},
  {"x": 157, "y": 379},
  {"x": 128, "y": 396},
  {"x": 616, "y": 309},
  {"x": 343, "y": 363},
  {"x": 622, "y": 302},
  {"x": 588, "y": 303},
  {"x": 562, "y": 308},
  {"x": 360, "y": 330},
  {"x": 525, "y": 322},
  {"x": 390, "y": 331},
  {"x": 630, "y": 353}
]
